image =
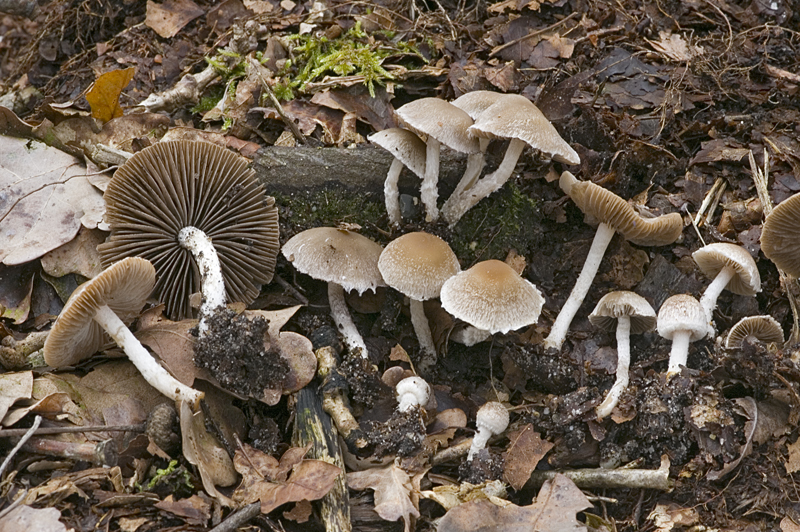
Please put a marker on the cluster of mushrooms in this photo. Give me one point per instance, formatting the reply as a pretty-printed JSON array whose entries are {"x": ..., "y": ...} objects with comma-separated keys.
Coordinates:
[{"x": 189, "y": 217}]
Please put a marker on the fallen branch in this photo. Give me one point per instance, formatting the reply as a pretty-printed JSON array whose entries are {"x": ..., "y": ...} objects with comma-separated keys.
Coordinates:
[{"x": 654, "y": 479}]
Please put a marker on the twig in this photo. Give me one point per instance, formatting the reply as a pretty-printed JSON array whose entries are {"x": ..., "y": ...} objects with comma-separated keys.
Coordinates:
[
  {"x": 36, "y": 422},
  {"x": 657, "y": 479},
  {"x": 239, "y": 518},
  {"x": 711, "y": 200},
  {"x": 276, "y": 104},
  {"x": 13, "y": 433},
  {"x": 497, "y": 49},
  {"x": 104, "y": 453},
  {"x": 20, "y": 8}
]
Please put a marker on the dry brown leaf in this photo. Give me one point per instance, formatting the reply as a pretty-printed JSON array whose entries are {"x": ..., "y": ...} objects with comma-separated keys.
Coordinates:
[
  {"x": 525, "y": 449},
  {"x": 393, "y": 489},
  {"x": 787, "y": 525},
  {"x": 13, "y": 387},
  {"x": 300, "y": 513},
  {"x": 79, "y": 255},
  {"x": 195, "y": 510},
  {"x": 27, "y": 518},
  {"x": 669, "y": 516},
  {"x": 793, "y": 463},
  {"x": 675, "y": 47},
  {"x": 169, "y": 18},
  {"x": 103, "y": 96}
]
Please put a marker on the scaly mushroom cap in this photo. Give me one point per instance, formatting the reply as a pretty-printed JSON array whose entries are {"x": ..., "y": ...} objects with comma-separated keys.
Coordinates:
[
  {"x": 622, "y": 303},
  {"x": 765, "y": 328},
  {"x": 780, "y": 236},
  {"x": 441, "y": 120},
  {"x": 123, "y": 287},
  {"x": 606, "y": 207},
  {"x": 475, "y": 102},
  {"x": 404, "y": 145},
  {"x": 514, "y": 117},
  {"x": 682, "y": 312},
  {"x": 336, "y": 256},
  {"x": 493, "y": 297},
  {"x": 172, "y": 185},
  {"x": 492, "y": 416},
  {"x": 418, "y": 264},
  {"x": 712, "y": 258}
]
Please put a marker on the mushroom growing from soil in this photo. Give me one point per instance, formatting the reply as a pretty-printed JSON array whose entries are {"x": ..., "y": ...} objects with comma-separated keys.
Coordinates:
[
  {"x": 170, "y": 201},
  {"x": 730, "y": 266},
  {"x": 346, "y": 261},
  {"x": 763, "y": 328},
  {"x": 491, "y": 420},
  {"x": 780, "y": 236},
  {"x": 412, "y": 392},
  {"x": 409, "y": 151},
  {"x": 106, "y": 304},
  {"x": 417, "y": 265},
  {"x": 512, "y": 117},
  {"x": 615, "y": 216},
  {"x": 627, "y": 313},
  {"x": 439, "y": 122},
  {"x": 682, "y": 320}
]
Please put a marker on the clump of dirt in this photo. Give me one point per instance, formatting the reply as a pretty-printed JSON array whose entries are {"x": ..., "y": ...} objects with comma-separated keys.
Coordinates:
[
  {"x": 402, "y": 434},
  {"x": 363, "y": 381},
  {"x": 484, "y": 466}
]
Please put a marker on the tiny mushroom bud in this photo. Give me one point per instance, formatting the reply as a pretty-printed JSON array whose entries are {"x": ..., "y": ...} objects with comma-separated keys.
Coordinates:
[
  {"x": 628, "y": 313},
  {"x": 780, "y": 236},
  {"x": 763, "y": 328},
  {"x": 492, "y": 419},
  {"x": 412, "y": 392},
  {"x": 682, "y": 320},
  {"x": 408, "y": 150}
]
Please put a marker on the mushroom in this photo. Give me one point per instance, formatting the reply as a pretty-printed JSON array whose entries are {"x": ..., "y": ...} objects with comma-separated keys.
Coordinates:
[
  {"x": 511, "y": 117},
  {"x": 167, "y": 204},
  {"x": 106, "y": 304},
  {"x": 346, "y": 261},
  {"x": 763, "y": 328},
  {"x": 780, "y": 236},
  {"x": 408, "y": 150},
  {"x": 491, "y": 420},
  {"x": 731, "y": 267},
  {"x": 493, "y": 297},
  {"x": 628, "y": 313},
  {"x": 614, "y": 215},
  {"x": 441, "y": 123},
  {"x": 412, "y": 392},
  {"x": 682, "y": 320},
  {"x": 417, "y": 265}
]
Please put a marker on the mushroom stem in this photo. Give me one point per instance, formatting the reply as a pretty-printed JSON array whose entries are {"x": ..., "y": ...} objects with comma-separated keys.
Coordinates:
[
  {"x": 343, "y": 320},
  {"x": 558, "y": 332},
  {"x": 679, "y": 352},
  {"x": 392, "y": 193},
  {"x": 428, "y": 192},
  {"x": 475, "y": 164},
  {"x": 623, "y": 364},
  {"x": 207, "y": 260},
  {"x": 158, "y": 377},
  {"x": 710, "y": 296},
  {"x": 422, "y": 328}
]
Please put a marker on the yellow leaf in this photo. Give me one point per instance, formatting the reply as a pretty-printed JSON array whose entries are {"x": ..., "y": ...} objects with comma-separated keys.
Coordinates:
[{"x": 103, "y": 96}]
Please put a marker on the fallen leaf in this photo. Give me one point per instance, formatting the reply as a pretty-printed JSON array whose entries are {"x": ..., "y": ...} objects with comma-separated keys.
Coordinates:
[
  {"x": 203, "y": 450},
  {"x": 787, "y": 525},
  {"x": 16, "y": 287},
  {"x": 450, "y": 496},
  {"x": 300, "y": 513},
  {"x": 195, "y": 510},
  {"x": 13, "y": 387},
  {"x": 169, "y": 18},
  {"x": 666, "y": 517},
  {"x": 393, "y": 490},
  {"x": 27, "y": 518},
  {"x": 103, "y": 96},
  {"x": 525, "y": 449},
  {"x": 793, "y": 463},
  {"x": 675, "y": 47},
  {"x": 79, "y": 255}
]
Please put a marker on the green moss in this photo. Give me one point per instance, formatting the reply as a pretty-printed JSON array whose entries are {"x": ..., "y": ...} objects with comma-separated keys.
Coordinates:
[
  {"x": 209, "y": 100},
  {"x": 330, "y": 207}
]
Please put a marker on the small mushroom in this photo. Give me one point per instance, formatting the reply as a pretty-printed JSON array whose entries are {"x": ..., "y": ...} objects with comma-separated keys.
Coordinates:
[
  {"x": 491, "y": 420},
  {"x": 731, "y": 267},
  {"x": 780, "y": 236},
  {"x": 346, "y": 261},
  {"x": 412, "y": 392},
  {"x": 628, "y": 313},
  {"x": 105, "y": 304},
  {"x": 417, "y": 265},
  {"x": 614, "y": 215},
  {"x": 763, "y": 328},
  {"x": 682, "y": 320},
  {"x": 408, "y": 150}
]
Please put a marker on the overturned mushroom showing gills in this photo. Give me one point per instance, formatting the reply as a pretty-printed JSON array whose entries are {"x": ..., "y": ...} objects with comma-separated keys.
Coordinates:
[
  {"x": 681, "y": 319},
  {"x": 627, "y": 313},
  {"x": 763, "y": 328},
  {"x": 346, "y": 261},
  {"x": 409, "y": 151},
  {"x": 491, "y": 420},
  {"x": 173, "y": 186},
  {"x": 615, "y": 216},
  {"x": 780, "y": 236},
  {"x": 105, "y": 304},
  {"x": 412, "y": 392}
]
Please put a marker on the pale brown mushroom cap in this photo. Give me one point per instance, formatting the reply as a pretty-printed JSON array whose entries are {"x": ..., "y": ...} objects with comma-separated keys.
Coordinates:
[
  {"x": 336, "y": 256},
  {"x": 172, "y": 185},
  {"x": 514, "y": 117},
  {"x": 623, "y": 303},
  {"x": 475, "y": 102},
  {"x": 764, "y": 328},
  {"x": 493, "y": 297},
  {"x": 682, "y": 312},
  {"x": 606, "y": 207},
  {"x": 441, "y": 120},
  {"x": 712, "y": 258},
  {"x": 780, "y": 236},
  {"x": 124, "y": 287},
  {"x": 404, "y": 145},
  {"x": 418, "y": 264}
]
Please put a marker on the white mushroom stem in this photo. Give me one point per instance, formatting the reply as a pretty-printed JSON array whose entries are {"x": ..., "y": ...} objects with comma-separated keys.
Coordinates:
[
  {"x": 710, "y": 296},
  {"x": 679, "y": 352},
  {"x": 623, "y": 364},
  {"x": 391, "y": 192},
  {"x": 158, "y": 377},
  {"x": 343, "y": 320},
  {"x": 422, "y": 328},
  {"x": 475, "y": 164},
  {"x": 428, "y": 191},
  {"x": 207, "y": 259},
  {"x": 558, "y": 332}
]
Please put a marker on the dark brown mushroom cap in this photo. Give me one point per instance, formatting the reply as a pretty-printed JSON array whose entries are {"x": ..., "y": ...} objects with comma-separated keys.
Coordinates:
[
  {"x": 124, "y": 287},
  {"x": 172, "y": 185},
  {"x": 780, "y": 236},
  {"x": 765, "y": 328},
  {"x": 441, "y": 120},
  {"x": 606, "y": 207},
  {"x": 712, "y": 258},
  {"x": 623, "y": 303}
]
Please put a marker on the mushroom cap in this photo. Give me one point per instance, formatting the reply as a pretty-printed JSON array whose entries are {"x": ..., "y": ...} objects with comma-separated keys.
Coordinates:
[
  {"x": 418, "y": 264},
  {"x": 172, "y": 185},
  {"x": 514, "y": 117},
  {"x": 415, "y": 386},
  {"x": 682, "y": 312},
  {"x": 336, "y": 256},
  {"x": 492, "y": 416},
  {"x": 606, "y": 207},
  {"x": 712, "y": 258},
  {"x": 492, "y": 296},
  {"x": 623, "y": 303},
  {"x": 765, "y": 328},
  {"x": 780, "y": 236},
  {"x": 124, "y": 287},
  {"x": 475, "y": 102},
  {"x": 407, "y": 147},
  {"x": 441, "y": 120}
]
